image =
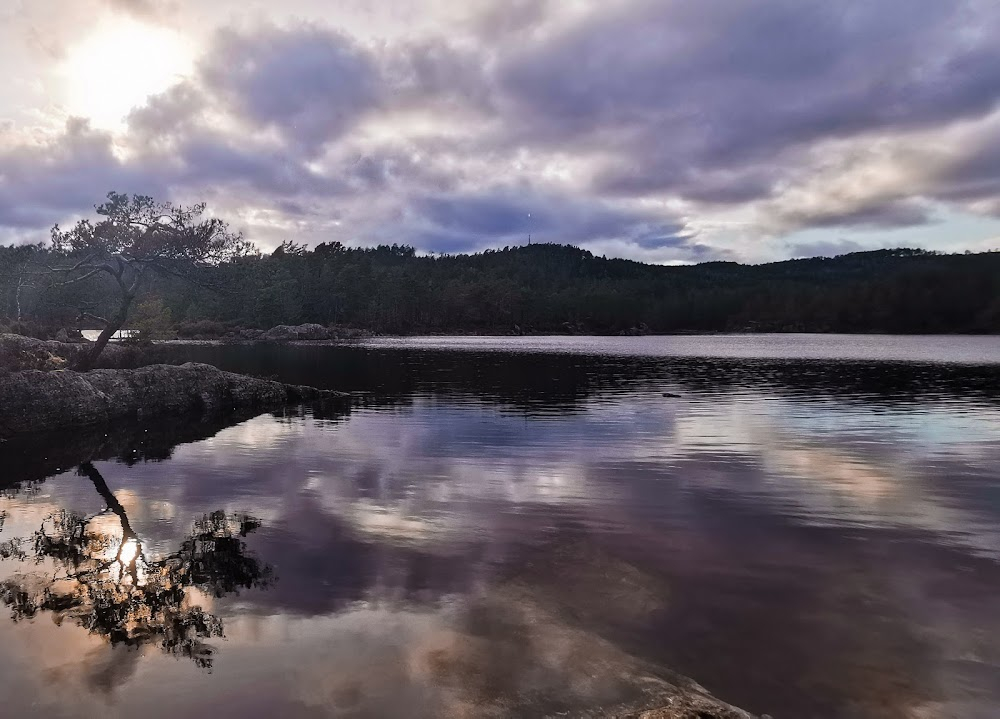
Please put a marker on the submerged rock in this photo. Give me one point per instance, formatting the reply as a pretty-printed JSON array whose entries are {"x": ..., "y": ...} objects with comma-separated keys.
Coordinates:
[{"x": 32, "y": 400}]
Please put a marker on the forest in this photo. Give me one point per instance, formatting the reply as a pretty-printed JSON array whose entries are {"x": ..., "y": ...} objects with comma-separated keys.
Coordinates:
[{"x": 541, "y": 288}]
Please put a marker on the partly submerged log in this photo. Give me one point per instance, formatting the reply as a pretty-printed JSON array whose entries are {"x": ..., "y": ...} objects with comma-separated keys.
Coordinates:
[{"x": 34, "y": 401}]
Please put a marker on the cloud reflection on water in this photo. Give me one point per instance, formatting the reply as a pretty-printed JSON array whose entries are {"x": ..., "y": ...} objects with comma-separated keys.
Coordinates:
[{"x": 813, "y": 554}]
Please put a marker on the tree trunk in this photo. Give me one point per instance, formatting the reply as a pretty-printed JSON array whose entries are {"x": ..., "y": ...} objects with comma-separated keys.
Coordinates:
[
  {"x": 89, "y": 471},
  {"x": 114, "y": 324},
  {"x": 20, "y": 286}
]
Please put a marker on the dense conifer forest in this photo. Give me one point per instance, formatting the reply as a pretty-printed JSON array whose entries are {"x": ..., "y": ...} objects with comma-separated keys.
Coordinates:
[{"x": 527, "y": 289}]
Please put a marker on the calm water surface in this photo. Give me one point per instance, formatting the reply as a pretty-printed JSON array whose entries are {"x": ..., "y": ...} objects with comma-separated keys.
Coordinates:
[{"x": 523, "y": 526}]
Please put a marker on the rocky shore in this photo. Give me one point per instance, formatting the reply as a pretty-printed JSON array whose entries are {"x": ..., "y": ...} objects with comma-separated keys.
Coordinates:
[{"x": 38, "y": 393}]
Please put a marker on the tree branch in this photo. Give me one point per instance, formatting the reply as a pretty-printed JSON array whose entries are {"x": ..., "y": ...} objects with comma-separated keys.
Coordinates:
[
  {"x": 187, "y": 278},
  {"x": 81, "y": 278},
  {"x": 138, "y": 278},
  {"x": 79, "y": 264}
]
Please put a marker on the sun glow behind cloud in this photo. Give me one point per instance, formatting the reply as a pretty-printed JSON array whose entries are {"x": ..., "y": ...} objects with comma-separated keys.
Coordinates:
[{"x": 118, "y": 66}]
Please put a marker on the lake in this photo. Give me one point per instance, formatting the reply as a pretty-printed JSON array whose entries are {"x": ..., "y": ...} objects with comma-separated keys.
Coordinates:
[{"x": 809, "y": 526}]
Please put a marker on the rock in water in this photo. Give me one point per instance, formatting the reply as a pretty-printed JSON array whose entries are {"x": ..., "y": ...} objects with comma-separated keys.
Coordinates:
[
  {"x": 299, "y": 333},
  {"x": 32, "y": 401}
]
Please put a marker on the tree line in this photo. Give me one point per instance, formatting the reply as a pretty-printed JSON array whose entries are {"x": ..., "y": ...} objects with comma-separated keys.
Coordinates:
[{"x": 540, "y": 288}]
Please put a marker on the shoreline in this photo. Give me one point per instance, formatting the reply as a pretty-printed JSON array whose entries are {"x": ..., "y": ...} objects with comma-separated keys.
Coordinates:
[{"x": 39, "y": 392}]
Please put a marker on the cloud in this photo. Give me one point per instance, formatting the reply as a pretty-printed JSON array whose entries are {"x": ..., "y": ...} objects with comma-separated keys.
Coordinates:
[
  {"x": 738, "y": 81},
  {"x": 970, "y": 172},
  {"x": 169, "y": 114},
  {"x": 310, "y": 83},
  {"x": 46, "y": 182},
  {"x": 509, "y": 216},
  {"x": 620, "y": 127},
  {"x": 874, "y": 213},
  {"x": 141, "y": 9},
  {"x": 825, "y": 248},
  {"x": 720, "y": 102}
]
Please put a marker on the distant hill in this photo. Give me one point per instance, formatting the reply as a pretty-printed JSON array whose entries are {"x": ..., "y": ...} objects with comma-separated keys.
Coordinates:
[{"x": 560, "y": 288}]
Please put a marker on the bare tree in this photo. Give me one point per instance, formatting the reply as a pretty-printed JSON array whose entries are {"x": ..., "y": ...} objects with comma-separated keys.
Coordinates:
[{"x": 134, "y": 238}]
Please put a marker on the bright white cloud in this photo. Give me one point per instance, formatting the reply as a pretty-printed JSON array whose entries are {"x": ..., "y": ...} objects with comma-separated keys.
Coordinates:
[{"x": 118, "y": 66}]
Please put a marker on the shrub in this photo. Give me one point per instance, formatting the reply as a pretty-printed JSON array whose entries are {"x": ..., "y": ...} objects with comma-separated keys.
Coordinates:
[
  {"x": 201, "y": 330},
  {"x": 152, "y": 321}
]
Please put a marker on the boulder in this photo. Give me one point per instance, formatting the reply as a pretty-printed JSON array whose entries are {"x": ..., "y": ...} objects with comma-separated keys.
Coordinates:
[
  {"x": 33, "y": 401},
  {"x": 297, "y": 333},
  {"x": 18, "y": 353}
]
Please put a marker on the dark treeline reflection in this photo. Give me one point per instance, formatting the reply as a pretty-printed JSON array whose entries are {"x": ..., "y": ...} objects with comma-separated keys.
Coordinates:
[
  {"x": 99, "y": 576},
  {"x": 538, "y": 381},
  {"x": 34, "y": 457}
]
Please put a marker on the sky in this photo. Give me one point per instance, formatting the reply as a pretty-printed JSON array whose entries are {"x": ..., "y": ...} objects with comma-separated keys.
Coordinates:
[{"x": 665, "y": 131}]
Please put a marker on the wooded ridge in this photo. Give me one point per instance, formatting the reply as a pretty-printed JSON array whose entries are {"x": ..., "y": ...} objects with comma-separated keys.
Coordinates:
[{"x": 540, "y": 288}]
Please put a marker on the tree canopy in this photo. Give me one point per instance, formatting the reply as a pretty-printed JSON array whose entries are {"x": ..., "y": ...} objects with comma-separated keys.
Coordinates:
[{"x": 134, "y": 239}]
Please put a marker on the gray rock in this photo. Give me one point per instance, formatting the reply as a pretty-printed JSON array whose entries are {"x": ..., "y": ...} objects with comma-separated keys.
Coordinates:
[
  {"x": 32, "y": 401},
  {"x": 23, "y": 353},
  {"x": 299, "y": 333}
]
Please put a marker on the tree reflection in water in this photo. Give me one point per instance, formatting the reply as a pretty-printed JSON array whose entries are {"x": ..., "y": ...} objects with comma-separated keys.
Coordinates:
[{"x": 103, "y": 581}]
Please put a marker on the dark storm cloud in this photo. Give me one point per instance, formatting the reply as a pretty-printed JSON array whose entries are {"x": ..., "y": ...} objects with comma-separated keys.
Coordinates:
[
  {"x": 41, "y": 184},
  {"x": 212, "y": 157},
  {"x": 831, "y": 248},
  {"x": 972, "y": 175},
  {"x": 684, "y": 90},
  {"x": 466, "y": 222},
  {"x": 486, "y": 215},
  {"x": 311, "y": 83},
  {"x": 745, "y": 79},
  {"x": 729, "y": 186},
  {"x": 169, "y": 114},
  {"x": 874, "y": 214},
  {"x": 438, "y": 74},
  {"x": 637, "y": 103}
]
